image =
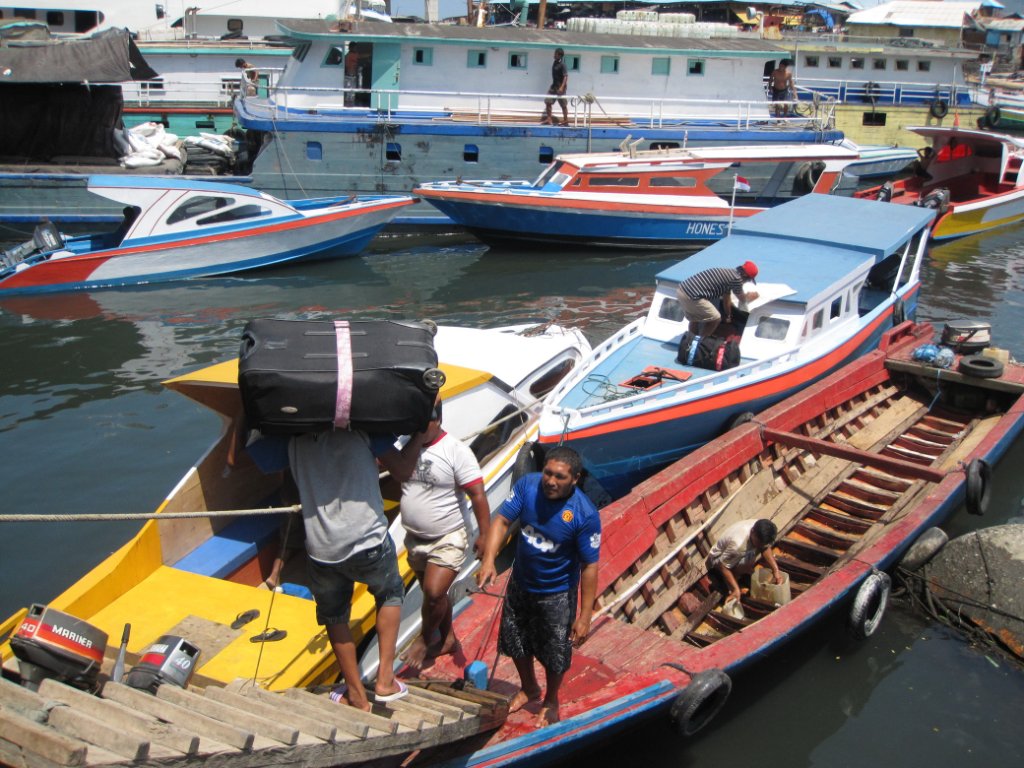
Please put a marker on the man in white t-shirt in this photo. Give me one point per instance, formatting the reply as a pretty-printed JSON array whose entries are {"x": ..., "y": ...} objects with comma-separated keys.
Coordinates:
[{"x": 434, "y": 514}]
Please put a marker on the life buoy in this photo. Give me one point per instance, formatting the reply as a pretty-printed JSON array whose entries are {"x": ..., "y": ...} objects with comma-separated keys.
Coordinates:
[
  {"x": 869, "y": 604},
  {"x": 737, "y": 421},
  {"x": 529, "y": 459},
  {"x": 979, "y": 486},
  {"x": 993, "y": 116},
  {"x": 938, "y": 108},
  {"x": 980, "y": 366},
  {"x": 982, "y": 122},
  {"x": 699, "y": 702},
  {"x": 899, "y": 312},
  {"x": 924, "y": 548}
]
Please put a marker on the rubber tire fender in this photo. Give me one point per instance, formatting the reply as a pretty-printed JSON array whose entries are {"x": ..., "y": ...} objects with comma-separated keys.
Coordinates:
[
  {"x": 979, "y": 486},
  {"x": 738, "y": 421},
  {"x": 993, "y": 116},
  {"x": 938, "y": 108},
  {"x": 980, "y": 366},
  {"x": 869, "y": 605},
  {"x": 899, "y": 312},
  {"x": 925, "y": 547},
  {"x": 697, "y": 704},
  {"x": 529, "y": 459}
]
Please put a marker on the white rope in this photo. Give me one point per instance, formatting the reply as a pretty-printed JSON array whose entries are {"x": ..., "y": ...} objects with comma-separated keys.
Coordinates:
[{"x": 102, "y": 517}]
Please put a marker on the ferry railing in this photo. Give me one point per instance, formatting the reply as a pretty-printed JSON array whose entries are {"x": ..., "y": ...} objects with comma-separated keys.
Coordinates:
[{"x": 885, "y": 91}]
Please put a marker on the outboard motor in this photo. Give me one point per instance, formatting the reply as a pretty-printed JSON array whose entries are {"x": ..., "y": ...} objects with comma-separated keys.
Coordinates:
[
  {"x": 53, "y": 644},
  {"x": 45, "y": 238},
  {"x": 937, "y": 199},
  {"x": 171, "y": 659},
  {"x": 885, "y": 192}
]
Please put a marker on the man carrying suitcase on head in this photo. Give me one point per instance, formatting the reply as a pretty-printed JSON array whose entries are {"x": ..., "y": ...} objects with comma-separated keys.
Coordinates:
[{"x": 698, "y": 292}]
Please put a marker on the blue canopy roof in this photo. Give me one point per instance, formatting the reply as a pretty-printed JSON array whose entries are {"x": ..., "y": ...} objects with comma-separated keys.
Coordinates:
[{"x": 811, "y": 243}]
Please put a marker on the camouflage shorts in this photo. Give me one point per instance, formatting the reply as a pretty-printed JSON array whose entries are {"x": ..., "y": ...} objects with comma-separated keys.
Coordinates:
[{"x": 538, "y": 625}]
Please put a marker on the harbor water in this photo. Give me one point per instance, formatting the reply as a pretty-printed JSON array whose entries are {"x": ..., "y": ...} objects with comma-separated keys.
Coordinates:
[{"x": 86, "y": 427}]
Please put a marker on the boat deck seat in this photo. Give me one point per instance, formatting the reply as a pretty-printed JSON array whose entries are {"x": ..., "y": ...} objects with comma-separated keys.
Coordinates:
[{"x": 227, "y": 551}]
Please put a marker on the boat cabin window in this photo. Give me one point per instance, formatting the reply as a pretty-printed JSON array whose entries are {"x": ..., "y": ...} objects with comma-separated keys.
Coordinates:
[
  {"x": 772, "y": 328},
  {"x": 837, "y": 308},
  {"x": 902, "y": 65},
  {"x": 299, "y": 51},
  {"x": 471, "y": 153},
  {"x": 505, "y": 424},
  {"x": 672, "y": 181},
  {"x": 517, "y": 60},
  {"x": 924, "y": 66},
  {"x": 878, "y": 64},
  {"x": 953, "y": 151},
  {"x": 545, "y": 155},
  {"x": 661, "y": 65},
  {"x": 549, "y": 379},
  {"x": 609, "y": 65},
  {"x": 476, "y": 59},
  {"x": 613, "y": 181},
  {"x": 695, "y": 66},
  {"x": 198, "y": 206},
  {"x": 811, "y": 61},
  {"x": 818, "y": 320},
  {"x": 393, "y": 152},
  {"x": 572, "y": 62},
  {"x": 424, "y": 56},
  {"x": 240, "y": 213},
  {"x": 334, "y": 58},
  {"x": 671, "y": 309},
  {"x": 235, "y": 26},
  {"x": 546, "y": 174},
  {"x": 835, "y": 62},
  {"x": 856, "y": 63}
]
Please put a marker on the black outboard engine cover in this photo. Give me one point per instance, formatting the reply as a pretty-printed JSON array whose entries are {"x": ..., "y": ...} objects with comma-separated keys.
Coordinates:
[
  {"x": 53, "y": 644},
  {"x": 171, "y": 659}
]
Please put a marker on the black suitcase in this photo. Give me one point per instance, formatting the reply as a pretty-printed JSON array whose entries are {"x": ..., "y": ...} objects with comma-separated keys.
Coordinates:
[
  {"x": 710, "y": 352},
  {"x": 295, "y": 376}
]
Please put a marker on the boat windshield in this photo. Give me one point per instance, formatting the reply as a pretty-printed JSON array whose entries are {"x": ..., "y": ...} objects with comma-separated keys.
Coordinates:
[{"x": 552, "y": 174}]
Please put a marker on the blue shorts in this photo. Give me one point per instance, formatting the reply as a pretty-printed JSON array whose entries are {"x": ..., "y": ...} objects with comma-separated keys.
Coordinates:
[{"x": 332, "y": 584}]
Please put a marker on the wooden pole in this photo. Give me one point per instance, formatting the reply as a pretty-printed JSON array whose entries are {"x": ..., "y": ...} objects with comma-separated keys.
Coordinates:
[{"x": 542, "y": 13}]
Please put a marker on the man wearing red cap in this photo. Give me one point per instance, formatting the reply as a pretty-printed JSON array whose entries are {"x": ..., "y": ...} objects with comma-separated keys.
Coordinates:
[{"x": 698, "y": 292}]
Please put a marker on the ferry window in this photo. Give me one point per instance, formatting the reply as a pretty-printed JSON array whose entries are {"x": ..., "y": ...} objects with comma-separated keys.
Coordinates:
[
  {"x": 471, "y": 153},
  {"x": 393, "y": 151},
  {"x": 924, "y": 66},
  {"x": 835, "y": 62},
  {"x": 818, "y": 320},
  {"x": 198, "y": 206},
  {"x": 517, "y": 60},
  {"x": 235, "y": 214},
  {"x": 664, "y": 145},
  {"x": 772, "y": 328},
  {"x": 476, "y": 59},
  {"x": 811, "y": 61},
  {"x": 152, "y": 86},
  {"x": 550, "y": 378},
  {"x": 55, "y": 18},
  {"x": 906, "y": 31},
  {"x": 661, "y": 65},
  {"x": 334, "y": 58},
  {"x": 314, "y": 150},
  {"x": 878, "y": 63},
  {"x": 505, "y": 424},
  {"x": 609, "y": 65},
  {"x": 546, "y": 155},
  {"x": 856, "y": 63},
  {"x": 424, "y": 56},
  {"x": 671, "y": 309},
  {"x": 673, "y": 181},
  {"x": 695, "y": 66},
  {"x": 614, "y": 181},
  {"x": 837, "y": 308},
  {"x": 546, "y": 175},
  {"x": 902, "y": 65},
  {"x": 300, "y": 51},
  {"x": 572, "y": 62},
  {"x": 24, "y": 13},
  {"x": 235, "y": 25}
]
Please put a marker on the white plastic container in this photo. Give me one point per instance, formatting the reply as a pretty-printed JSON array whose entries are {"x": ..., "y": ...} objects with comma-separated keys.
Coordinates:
[{"x": 763, "y": 588}]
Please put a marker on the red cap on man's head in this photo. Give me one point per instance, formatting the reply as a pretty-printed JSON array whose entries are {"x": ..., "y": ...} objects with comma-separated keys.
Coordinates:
[{"x": 750, "y": 269}]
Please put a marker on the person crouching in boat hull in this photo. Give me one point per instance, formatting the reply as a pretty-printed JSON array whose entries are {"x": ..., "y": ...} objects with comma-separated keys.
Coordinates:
[
  {"x": 556, "y": 554},
  {"x": 737, "y": 551}
]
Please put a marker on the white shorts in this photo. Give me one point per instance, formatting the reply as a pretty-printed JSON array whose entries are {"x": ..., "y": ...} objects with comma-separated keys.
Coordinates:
[{"x": 450, "y": 551}]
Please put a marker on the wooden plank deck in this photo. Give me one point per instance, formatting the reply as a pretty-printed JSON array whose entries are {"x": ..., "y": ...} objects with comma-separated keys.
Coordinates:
[{"x": 239, "y": 725}]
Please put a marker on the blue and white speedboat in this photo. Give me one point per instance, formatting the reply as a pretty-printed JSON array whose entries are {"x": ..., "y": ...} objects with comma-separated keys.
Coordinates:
[
  {"x": 175, "y": 228},
  {"x": 830, "y": 285}
]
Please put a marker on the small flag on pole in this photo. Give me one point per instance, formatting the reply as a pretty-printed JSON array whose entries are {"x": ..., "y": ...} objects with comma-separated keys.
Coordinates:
[{"x": 742, "y": 184}]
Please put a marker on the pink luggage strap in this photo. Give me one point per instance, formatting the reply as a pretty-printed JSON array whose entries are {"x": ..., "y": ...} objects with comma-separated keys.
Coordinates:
[{"x": 343, "y": 398}]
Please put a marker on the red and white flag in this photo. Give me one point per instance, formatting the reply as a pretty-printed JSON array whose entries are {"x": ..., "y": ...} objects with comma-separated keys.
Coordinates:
[{"x": 741, "y": 184}]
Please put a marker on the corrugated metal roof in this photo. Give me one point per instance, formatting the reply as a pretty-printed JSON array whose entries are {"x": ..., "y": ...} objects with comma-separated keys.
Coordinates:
[
  {"x": 1005, "y": 25},
  {"x": 916, "y": 13}
]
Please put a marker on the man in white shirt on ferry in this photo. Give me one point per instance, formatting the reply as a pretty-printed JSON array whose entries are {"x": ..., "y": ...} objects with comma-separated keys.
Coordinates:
[{"x": 435, "y": 501}]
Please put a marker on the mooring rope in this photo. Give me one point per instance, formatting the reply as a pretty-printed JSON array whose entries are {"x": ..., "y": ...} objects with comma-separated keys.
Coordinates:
[{"x": 113, "y": 516}]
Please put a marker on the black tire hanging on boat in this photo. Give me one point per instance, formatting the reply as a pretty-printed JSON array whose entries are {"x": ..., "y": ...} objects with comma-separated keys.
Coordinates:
[
  {"x": 992, "y": 117},
  {"x": 925, "y": 547},
  {"x": 699, "y": 702},
  {"x": 869, "y": 605},
  {"x": 899, "y": 312},
  {"x": 738, "y": 421},
  {"x": 529, "y": 459},
  {"x": 938, "y": 108},
  {"x": 979, "y": 486},
  {"x": 980, "y": 366}
]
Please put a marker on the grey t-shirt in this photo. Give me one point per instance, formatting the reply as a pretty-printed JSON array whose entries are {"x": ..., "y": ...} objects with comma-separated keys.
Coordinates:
[{"x": 337, "y": 478}]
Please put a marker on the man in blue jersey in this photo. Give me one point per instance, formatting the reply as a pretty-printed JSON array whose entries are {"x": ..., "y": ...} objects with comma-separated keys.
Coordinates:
[
  {"x": 556, "y": 556},
  {"x": 697, "y": 293}
]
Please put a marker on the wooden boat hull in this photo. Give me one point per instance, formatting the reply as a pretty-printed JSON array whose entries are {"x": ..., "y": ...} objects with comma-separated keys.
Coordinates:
[{"x": 655, "y": 616}]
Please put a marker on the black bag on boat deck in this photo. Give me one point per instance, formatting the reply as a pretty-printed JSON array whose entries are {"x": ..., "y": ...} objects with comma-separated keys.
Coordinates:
[
  {"x": 299, "y": 376},
  {"x": 711, "y": 352}
]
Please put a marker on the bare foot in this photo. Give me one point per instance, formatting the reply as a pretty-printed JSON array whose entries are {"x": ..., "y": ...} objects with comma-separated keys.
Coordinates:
[
  {"x": 415, "y": 653},
  {"x": 548, "y": 715},
  {"x": 521, "y": 699},
  {"x": 450, "y": 645}
]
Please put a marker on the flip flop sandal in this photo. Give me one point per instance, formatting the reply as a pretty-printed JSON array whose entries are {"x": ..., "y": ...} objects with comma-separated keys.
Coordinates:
[
  {"x": 401, "y": 693},
  {"x": 270, "y": 636},
  {"x": 337, "y": 693},
  {"x": 244, "y": 618}
]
